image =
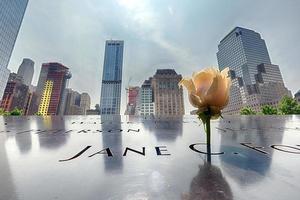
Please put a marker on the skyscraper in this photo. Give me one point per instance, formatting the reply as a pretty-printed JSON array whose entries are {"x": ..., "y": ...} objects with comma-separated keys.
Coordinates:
[
  {"x": 145, "y": 104},
  {"x": 168, "y": 97},
  {"x": 133, "y": 93},
  {"x": 110, "y": 99},
  {"x": 51, "y": 88},
  {"x": 11, "y": 16},
  {"x": 255, "y": 80},
  {"x": 26, "y": 71}
]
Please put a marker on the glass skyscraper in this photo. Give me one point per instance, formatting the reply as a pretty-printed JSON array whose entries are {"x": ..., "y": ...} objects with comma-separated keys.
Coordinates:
[
  {"x": 11, "y": 16},
  {"x": 255, "y": 80},
  {"x": 110, "y": 99},
  {"x": 242, "y": 50},
  {"x": 26, "y": 71}
]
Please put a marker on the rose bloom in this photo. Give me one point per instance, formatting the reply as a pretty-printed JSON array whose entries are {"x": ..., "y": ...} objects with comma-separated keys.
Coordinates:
[{"x": 208, "y": 90}]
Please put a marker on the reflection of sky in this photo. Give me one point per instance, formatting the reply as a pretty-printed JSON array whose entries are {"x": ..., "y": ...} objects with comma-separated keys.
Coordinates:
[
  {"x": 253, "y": 165},
  {"x": 246, "y": 175}
]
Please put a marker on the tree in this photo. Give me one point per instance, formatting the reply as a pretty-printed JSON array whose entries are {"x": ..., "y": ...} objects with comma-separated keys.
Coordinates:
[
  {"x": 97, "y": 107},
  {"x": 3, "y": 112},
  {"x": 269, "y": 110},
  {"x": 289, "y": 106},
  {"x": 16, "y": 112},
  {"x": 247, "y": 111}
]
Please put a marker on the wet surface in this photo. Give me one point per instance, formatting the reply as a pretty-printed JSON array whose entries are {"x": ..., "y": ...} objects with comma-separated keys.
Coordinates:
[{"x": 121, "y": 157}]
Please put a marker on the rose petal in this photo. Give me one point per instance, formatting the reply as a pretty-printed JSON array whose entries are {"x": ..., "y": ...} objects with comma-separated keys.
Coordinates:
[
  {"x": 188, "y": 83},
  {"x": 202, "y": 81},
  {"x": 195, "y": 100}
]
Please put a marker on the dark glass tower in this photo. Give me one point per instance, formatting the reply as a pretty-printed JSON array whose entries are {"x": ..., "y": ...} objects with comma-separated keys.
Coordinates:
[
  {"x": 11, "y": 16},
  {"x": 242, "y": 50},
  {"x": 110, "y": 99}
]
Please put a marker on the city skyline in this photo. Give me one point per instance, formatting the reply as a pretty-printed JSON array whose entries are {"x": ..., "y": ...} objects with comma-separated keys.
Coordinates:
[{"x": 156, "y": 36}]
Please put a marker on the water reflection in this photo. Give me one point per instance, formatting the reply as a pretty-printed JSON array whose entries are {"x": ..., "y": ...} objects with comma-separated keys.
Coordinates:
[
  {"x": 246, "y": 165},
  {"x": 7, "y": 187},
  {"x": 49, "y": 127},
  {"x": 112, "y": 140},
  {"x": 209, "y": 184},
  {"x": 24, "y": 140},
  {"x": 165, "y": 129}
]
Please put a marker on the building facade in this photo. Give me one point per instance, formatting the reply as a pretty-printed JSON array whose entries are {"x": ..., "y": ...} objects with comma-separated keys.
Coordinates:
[
  {"x": 26, "y": 71},
  {"x": 132, "y": 99},
  {"x": 168, "y": 96},
  {"x": 51, "y": 88},
  {"x": 16, "y": 94},
  {"x": 85, "y": 102},
  {"x": 110, "y": 99},
  {"x": 255, "y": 80},
  {"x": 145, "y": 101},
  {"x": 11, "y": 17},
  {"x": 76, "y": 103}
]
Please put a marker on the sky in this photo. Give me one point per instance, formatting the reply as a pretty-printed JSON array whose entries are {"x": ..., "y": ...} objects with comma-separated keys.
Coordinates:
[{"x": 177, "y": 34}]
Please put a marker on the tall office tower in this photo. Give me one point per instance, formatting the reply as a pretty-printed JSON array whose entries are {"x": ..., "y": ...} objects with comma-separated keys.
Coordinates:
[
  {"x": 51, "y": 88},
  {"x": 26, "y": 71},
  {"x": 255, "y": 81},
  {"x": 77, "y": 104},
  {"x": 110, "y": 99},
  {"x": 85, "y": 102},
  {"x": 11, "y": 16},
  {"x": 132, "y": 96},
  {"x": 145, "y": 101},
  {"x": 16, "y": 94},
  {"x": 168, "y": 97},
  {"x": 73, "y": 103}
]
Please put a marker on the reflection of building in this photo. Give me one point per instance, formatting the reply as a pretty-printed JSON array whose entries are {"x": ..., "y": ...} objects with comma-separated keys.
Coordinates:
[
  {"x": 76, "y": 104},
  {"x": 165, "y": 129},
  {"x": 255, "y": 81},
  {"x": 168, "y": 97},
  {"x": 55, "y": 138},
  {"x": 26, "y": 71},
  {"x": 113, "y": 140},
  {"x": 15, "y": 95},
  {"x": 297, "y": 96},
  {"x": 51, "y": 88},
  {"x": 247, "y": 162},
  {"x": 112, "y": 78},
  {"x": 133, "y": 94},
  {"x": 11, "y": 16},
  {"x": 7, "y": 189}
]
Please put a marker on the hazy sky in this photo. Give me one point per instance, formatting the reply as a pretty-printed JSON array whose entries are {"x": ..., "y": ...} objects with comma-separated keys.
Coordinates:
[{"x": 179, "y": 34}]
